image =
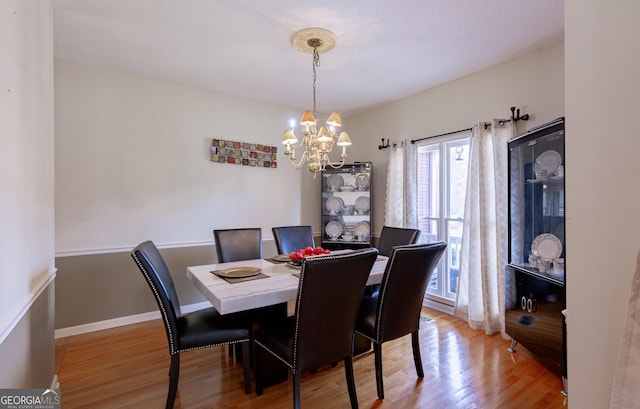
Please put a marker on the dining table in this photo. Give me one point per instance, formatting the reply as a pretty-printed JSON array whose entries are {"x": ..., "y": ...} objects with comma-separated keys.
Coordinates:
[
  {"x": 266, "y": 291},
  {"x": 275, "y": 283}
]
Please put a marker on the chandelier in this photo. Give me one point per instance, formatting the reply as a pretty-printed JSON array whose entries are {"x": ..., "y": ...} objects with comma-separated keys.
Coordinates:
[{"x": 317, "y": 142}]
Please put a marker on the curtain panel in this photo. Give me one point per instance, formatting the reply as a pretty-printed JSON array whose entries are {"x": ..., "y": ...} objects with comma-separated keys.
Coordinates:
[
  {"x": 401, "y": 204},
  {"x": 481, "y": 294},
  {"x": 626, "y": 391}
]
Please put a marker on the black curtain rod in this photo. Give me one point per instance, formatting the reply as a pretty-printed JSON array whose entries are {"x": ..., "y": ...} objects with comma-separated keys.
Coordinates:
[
  {"x": 515, "y": 117},
  {"x": 442, "y": 134}
]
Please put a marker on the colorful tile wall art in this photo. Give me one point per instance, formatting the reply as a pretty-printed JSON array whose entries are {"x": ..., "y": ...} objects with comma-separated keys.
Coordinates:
[{"x": 243, "y": 153}]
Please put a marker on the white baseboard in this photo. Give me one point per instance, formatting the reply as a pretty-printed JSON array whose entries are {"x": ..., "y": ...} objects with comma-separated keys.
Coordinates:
[
  {"x": 118, "y": 322},
  {"x": 438, "y": 306}
]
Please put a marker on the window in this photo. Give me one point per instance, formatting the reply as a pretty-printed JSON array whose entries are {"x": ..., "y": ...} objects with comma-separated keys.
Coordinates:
[{"x": 442, "y": 183}]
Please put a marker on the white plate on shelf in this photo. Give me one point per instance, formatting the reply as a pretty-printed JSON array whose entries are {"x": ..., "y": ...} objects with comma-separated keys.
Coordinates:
[
  {"x": 333, "y": 229},
  {"x": 548, "y": 246},
  {"x": 362, "y": 205},
  {"x": 334, "y": 205},
  {"x": 334, "y": 182},
  {"x": 362, "y": 230},
  {"x": 548, "y": 161}
]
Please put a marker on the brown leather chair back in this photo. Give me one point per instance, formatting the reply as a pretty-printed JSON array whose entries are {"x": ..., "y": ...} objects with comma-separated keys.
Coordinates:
[
  {"x": 403, "y": 287},
  {"x": 238, "y": 244},
  {"x": 329, "y": 294},
  {"x": 292, "y": 238},
  {"x": 158, "y": 276},
  {"x": 396, "y": 236}
]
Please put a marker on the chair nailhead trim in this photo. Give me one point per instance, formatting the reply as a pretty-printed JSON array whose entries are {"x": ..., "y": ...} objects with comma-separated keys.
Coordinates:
[{"x": 165, "y": 317}]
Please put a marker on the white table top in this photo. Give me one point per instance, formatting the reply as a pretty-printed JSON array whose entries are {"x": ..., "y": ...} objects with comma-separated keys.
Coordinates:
[{"x": 281, "y": 286}]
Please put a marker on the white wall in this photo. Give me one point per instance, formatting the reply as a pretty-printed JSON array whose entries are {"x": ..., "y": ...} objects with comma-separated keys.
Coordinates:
[
  {"x": 26, "y": 180},
  {"x": 132, "y": 157},
  {"x": 533, "y": 83},
  {"x": 133, "y": 163},
  {"x": 603, "y": 228}
]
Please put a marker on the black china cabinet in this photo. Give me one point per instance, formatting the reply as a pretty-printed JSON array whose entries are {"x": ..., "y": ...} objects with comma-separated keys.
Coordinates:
[
  {"x": 535, "y": 275},
  {"x": 346, "y": 206}
]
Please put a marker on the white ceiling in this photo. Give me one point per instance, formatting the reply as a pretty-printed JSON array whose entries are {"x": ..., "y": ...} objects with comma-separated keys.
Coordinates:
[{"x": 386, "y": 49}]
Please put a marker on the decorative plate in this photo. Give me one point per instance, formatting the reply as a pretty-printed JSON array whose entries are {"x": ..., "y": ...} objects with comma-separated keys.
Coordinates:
[
  {"x": 333, "y": 229},
  {"x": 362, "y": 205},
  {"x": 547, "y": 246},
  {"x": 548, "y": 161},
  {"x": 281, "y": 257},
  {"x": 334, "y": 182},
  {"x": 362, "y": 230},
  {"x": 362, "y": 181},
  {"x": 238, "y": 272},
  {"x": 334, "y": 205}
]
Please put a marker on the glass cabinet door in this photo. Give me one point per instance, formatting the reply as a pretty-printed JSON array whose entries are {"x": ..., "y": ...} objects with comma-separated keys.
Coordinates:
[
  {"x": 346, "y": 206},
  {"x": 537, "y": 201}
]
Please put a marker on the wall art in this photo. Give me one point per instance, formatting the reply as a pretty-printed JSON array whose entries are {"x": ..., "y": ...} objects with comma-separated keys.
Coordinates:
[{"x": 243, "y": 153}]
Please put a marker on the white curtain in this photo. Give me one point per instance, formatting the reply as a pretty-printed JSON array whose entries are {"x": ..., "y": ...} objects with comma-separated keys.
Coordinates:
[
  {"x": 401, "y": 204},
  {"x": 481, "y": 295},
  {"x": 626, "y": 383}
]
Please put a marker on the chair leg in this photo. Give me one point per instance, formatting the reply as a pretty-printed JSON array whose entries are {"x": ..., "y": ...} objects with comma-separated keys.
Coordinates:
[
  {"x": 247, "y": 367},
  {"x": 296, "y": 390},
  {"x": 174, "y": 373},
  {"x": 351, "y": 384},
  {"x": 377, "y": 350},
  {"x": 415, "y": 343}
]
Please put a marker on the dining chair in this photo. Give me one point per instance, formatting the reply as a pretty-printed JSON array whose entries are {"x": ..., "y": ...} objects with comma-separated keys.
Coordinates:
[
  {"x": 396, "y": 236},
  {"x": 238, "y": 244},
  {"x": 394, "y": 311},
  {"x": 320, "y": 332},
  {"x": 185, "y": 332},
  {"x": 292, "y": 238}
]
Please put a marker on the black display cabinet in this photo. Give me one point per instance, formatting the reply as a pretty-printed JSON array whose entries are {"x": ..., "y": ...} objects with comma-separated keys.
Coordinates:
[
  {"x": 535, "y": 275},
  {"x": 346, "y": 206}
]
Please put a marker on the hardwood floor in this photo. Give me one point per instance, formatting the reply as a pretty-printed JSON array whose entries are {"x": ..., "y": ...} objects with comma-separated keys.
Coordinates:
[{"x": 127, "y": 367}]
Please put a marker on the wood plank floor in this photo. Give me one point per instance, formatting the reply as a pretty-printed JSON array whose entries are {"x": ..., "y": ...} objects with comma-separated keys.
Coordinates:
[{"x": 127, "y": 367}]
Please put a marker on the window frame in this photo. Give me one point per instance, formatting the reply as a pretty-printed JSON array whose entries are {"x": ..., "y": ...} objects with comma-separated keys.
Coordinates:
[{"x": 444, "y": 218}]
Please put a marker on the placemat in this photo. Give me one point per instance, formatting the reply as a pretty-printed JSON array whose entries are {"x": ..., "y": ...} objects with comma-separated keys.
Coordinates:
[
  {"x": 275, "y": 261},
  {"x": 233, "y": 280}
]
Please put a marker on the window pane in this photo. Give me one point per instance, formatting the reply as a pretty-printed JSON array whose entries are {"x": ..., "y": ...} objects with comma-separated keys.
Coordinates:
[
  {"x": 453, "y": 254},
  {"x": 458, "y": 164},
  {"x": 428, "y": 233},
  {"x": 428, "y": 181}
]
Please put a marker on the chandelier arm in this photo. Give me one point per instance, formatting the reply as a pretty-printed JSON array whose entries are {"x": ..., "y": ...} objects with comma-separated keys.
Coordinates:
[
  {"x": 300, "y": 143},
  {"x": 300, "y": 162},
  {"x": 336, "y": 165}
]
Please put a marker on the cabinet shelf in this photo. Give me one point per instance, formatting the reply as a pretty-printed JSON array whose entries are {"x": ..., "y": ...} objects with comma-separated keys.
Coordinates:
[{"x": 534, "y": 272}]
